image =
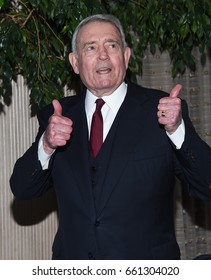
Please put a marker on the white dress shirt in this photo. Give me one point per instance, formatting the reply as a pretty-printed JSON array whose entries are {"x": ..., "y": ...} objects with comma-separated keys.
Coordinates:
[{"x": 109, "y": 111}]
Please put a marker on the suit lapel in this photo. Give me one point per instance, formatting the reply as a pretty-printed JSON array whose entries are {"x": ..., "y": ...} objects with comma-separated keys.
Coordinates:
[{"x": 78, "y": 151}]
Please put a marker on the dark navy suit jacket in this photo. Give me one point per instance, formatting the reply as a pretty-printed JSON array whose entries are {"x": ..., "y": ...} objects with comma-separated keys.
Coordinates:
[{"x": 130, "y": 215}]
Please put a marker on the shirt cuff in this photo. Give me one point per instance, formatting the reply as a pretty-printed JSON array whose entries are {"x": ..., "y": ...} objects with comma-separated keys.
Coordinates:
[
  {"x": 178, "y": 136},
  {"x": 42, "y": 155}
]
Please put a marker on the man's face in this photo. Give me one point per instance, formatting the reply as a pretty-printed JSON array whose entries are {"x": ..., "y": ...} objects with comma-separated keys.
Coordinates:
[{"x": 101, "y": 60}]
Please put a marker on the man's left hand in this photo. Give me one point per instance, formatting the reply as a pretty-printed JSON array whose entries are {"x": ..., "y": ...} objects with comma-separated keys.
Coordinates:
[{"x": 170, "y": 111}]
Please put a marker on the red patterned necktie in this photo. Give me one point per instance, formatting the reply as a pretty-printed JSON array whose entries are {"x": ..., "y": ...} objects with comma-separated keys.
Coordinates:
[{"x": 96, "y": 133}]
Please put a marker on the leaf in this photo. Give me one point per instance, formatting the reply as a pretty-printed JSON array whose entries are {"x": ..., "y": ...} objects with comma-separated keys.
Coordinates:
[{"x": 1, "y": 3}]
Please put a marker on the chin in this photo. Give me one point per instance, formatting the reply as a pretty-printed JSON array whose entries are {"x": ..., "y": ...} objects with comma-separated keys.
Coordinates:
[{"x": 106, "y": 84}]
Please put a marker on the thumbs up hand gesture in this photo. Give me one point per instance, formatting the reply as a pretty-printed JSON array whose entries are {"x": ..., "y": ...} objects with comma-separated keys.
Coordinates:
[
  {"x": 58, "y": 131},
  {"x": 169, "y": 110}
]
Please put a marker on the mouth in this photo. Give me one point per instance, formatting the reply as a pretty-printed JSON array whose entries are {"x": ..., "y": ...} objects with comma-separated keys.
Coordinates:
[{"x": 103, "y": 70}]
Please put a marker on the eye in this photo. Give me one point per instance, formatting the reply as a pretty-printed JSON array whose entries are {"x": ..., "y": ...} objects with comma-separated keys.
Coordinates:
[
  {"x": 91, "y": 48},
  {"x": 112, "y": 45}
]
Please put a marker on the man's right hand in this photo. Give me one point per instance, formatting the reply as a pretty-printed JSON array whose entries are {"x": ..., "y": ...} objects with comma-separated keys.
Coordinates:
[{"x": 58, "y": 131}]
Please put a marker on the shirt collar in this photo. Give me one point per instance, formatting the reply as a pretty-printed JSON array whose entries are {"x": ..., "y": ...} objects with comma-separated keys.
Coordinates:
[{"x": 113, "y": 100}]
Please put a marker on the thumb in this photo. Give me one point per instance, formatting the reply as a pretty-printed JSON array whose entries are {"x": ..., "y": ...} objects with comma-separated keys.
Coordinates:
[
  {"x": 175, "y": 91},
  {"x": 57, "y": 107}
]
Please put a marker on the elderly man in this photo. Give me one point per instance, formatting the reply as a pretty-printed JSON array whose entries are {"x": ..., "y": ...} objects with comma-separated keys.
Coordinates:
[{"x": 111, "y": 154}]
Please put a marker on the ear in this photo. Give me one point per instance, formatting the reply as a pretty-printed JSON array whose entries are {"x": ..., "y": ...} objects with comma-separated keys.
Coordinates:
[
  {"x": 127, "y": 55},
  {"x": 73, "y": 59}
]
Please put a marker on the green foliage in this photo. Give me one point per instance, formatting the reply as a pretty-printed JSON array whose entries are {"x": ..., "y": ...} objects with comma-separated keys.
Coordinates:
[{"x": 35, "y": 38}]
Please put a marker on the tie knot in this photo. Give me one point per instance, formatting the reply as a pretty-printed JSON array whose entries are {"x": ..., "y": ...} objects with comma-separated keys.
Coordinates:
[{"x": 99, "y": 104}]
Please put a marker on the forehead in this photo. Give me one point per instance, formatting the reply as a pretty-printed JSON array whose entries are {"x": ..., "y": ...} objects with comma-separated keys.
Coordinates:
[{"x": 97, "y": 30}]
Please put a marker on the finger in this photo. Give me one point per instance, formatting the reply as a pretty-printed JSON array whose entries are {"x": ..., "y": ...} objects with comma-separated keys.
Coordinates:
[
  {"x": 57, "y": 107},
  {"x": 175, "y": 91}
]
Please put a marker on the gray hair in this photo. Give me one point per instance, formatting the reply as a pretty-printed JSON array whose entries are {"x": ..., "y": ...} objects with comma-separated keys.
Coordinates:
[{"x": 99, "y": 18}]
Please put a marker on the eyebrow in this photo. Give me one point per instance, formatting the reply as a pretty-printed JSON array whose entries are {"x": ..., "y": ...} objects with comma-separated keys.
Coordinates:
[
  {"x": 89, "y": 43},
  {"x": 106, "y": 41}
]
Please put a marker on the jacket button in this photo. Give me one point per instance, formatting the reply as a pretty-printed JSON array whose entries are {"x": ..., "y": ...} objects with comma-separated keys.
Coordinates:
[{"x": 93, "y": 168}]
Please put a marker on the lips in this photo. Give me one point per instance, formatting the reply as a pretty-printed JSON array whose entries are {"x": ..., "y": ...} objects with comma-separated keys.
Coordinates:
[{"x": 103, "y": 70}]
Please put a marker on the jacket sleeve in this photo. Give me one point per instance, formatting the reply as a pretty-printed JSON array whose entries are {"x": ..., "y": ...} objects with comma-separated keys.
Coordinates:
[
  {"x": 28, "y": 180},
  {"x": 194, "y": 159}
]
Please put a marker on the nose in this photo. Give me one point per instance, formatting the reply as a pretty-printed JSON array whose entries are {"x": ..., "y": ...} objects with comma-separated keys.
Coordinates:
[{"x": 103, "y": 53}]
